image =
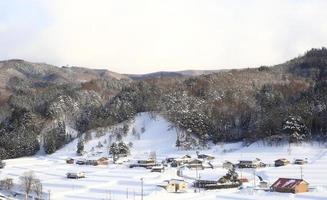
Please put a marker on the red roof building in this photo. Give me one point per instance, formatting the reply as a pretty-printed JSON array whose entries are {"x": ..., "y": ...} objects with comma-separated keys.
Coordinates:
[{"x": 290, "y": 185}]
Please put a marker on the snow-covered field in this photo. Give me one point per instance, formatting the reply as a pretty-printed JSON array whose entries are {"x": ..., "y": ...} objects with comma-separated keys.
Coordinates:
[{"x": 120, "y": 182}]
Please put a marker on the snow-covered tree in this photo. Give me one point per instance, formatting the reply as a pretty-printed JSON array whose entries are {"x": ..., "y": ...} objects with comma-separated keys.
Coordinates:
[
  {"x": 80, "y": 146},
  {"x": 296, "y": 129}
]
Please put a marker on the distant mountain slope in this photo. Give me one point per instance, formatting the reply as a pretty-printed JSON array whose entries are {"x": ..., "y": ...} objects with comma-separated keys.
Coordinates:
[
  {"x": 40, "y": 75},
  {"x": 174, "y": 74},
  {"x": 40, "y": 102}
]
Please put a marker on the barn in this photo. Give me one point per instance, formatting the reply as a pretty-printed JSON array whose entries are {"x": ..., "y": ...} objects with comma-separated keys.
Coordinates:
[{"x": 290, "y": 185}]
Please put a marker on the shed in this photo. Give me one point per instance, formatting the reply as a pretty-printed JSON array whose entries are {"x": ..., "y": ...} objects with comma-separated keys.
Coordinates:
[{"x": 290, "y": 185}]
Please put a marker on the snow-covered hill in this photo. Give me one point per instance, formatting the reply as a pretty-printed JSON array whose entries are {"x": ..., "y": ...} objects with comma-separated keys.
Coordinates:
[{"x": 155, "y": 134}]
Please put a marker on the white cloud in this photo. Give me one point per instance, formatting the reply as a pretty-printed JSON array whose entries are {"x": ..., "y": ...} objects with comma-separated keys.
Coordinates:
[{"x": 148, "y": 35}]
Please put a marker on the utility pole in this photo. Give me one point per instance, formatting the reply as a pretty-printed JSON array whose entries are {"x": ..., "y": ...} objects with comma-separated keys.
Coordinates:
[
  {"x": 199, "y": 180},
  {"x": 301, "y": 172},
  {"x": 253, "y": 178},
  {"x": 126, "y": 193},
  {"x": 133, "y": 194},
  {"x": 49, "y": 192},
  {"x": 141, "y": 188}
]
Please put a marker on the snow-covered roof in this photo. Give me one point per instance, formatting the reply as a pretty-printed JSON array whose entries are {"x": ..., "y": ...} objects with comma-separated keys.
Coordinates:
[{"x": 288, "y": 183}]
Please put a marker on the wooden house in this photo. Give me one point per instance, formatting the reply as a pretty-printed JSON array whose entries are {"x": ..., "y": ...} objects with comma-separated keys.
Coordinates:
[
  {"x": 243, "y": 180},
  {"x": 175, "y": 185},
  {"x": 103, "y": 161},
  {"x": 281, "y": 162},
  {"x": 290, "y": 185}
]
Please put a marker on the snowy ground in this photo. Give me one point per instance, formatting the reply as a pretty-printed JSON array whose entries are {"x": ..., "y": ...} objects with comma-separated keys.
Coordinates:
[{"x": 120, "y": 182}]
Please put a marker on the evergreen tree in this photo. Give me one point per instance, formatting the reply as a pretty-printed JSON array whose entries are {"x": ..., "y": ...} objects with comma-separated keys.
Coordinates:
[{"x": 80, "y": 146}]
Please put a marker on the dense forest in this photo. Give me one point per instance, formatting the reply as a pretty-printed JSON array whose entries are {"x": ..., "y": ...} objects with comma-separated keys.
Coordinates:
[{"x": 286, "y": 102}]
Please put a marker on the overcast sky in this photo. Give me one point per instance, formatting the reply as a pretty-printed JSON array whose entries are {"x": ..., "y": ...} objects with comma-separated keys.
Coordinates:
[{"x": 138, "y": 36}]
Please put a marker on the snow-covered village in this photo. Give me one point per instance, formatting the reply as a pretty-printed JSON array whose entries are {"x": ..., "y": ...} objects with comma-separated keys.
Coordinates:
[
  {"x": 163, "y": 100},
  {"x": 149, "y": 166}
]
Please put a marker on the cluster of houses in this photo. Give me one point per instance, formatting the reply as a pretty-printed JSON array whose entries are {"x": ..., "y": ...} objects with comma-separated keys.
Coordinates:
[
  {"x": 202, "y": 161},
  {"x": 94, "y": 162},
  {"x": 230, "y": 180},
  {"x": 257, "y": 163}
]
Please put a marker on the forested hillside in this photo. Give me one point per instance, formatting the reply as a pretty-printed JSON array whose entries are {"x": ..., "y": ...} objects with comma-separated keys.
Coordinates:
[{"x": 41, "y": 103}]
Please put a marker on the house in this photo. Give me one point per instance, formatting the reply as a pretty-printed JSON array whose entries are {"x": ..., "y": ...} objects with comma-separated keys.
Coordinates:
[
  {"x": 175, "y": 185},
  {"x": 281, "y": 162},
  {"x": 300, "y": 161},
  {"x": 149, "y": 163},
  {"x": 182, "y": 160},
  {"x": 205, "y": 157},
  {"x": 243, "y": 180},
  {"x": 2, "y": 164},
  {"x": 212, "y": 185},
  {"x": 75, "y": 175},
  {"x": 195, "y": 164},
  {"x": 103, "y": 161},
  {"x": 251, "y": 163},
  {"x": 158, "y": 168},
  {"x": 92, "y": 162},
  {"x": 228, "y": 165},
  {"x": 70, "y": 161},
  {"x": 290, "y": 185}
]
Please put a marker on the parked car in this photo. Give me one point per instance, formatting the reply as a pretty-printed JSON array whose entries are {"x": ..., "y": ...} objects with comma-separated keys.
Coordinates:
[
  {"x": 81, "y": 162},
  {"x": 75, "y": 175},
  {"x": 300, "y": 161}
]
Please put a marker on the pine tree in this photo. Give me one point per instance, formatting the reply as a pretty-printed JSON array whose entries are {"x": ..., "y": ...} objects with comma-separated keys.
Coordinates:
[{"x": 80, "y": 146}]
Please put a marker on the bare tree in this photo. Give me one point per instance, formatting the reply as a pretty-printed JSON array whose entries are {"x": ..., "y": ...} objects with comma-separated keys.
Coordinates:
[
  {"x": 27, "y": 181},
  {"x": 6, "y": 183},
  {"x": 38, "y": 188}
]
